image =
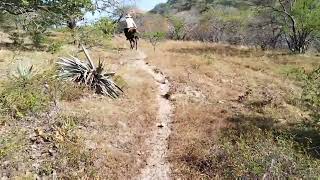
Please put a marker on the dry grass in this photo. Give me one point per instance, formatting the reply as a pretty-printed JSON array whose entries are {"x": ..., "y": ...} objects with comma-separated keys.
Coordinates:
[
  {"x": 91, "y": 136},
  {"x": 210, "y": 83},
  {"x": 119, "y": 127},
  {"x": 214, "y": 88}
]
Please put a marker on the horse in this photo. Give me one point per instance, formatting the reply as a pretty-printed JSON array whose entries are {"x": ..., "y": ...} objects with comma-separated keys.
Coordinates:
[{"x": 132, "y": 37}]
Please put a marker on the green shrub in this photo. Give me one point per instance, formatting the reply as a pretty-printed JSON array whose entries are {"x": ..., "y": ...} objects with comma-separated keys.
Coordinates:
[
  {"x": 11, "y": 143},
  {"x": 155, "y": 38},
  {"x": 255, "y": 154},
  {"x": 294, "y": 73},
  {"x": 98, "y": 34},
  {"x": 37, "y": 39},
  {"x": 23, "y": 93},
  {"x": 178, "y": 32},
  {"x": 106, "y": 26},
  {"x": 311, "y": 93},
  {"x": 61, "y": 90},
  {"x": 20, "y": 97},
  {"x": 55, "y": 47}
]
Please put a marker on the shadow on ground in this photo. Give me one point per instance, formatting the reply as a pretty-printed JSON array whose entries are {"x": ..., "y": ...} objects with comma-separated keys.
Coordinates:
[
  {"x": 24, "y": 47},
  {"x": 243, "y": 123},
  {"x": 220, "y": 50},
  {"x": 307, "y": 135},
  {"x": 231, "y": 51}
]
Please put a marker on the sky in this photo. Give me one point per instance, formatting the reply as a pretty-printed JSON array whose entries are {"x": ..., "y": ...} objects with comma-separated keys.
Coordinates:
[
  {"x": 145, "y": 5},
  {"x": 148, "y": 4}
]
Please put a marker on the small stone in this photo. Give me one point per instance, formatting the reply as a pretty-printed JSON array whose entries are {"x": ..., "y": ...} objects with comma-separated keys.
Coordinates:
[
  {"x": 166, "y": 96},
  {"x": 224, "y": 111},
  {"x": 173, "y": 98},
  {"x": 51, "y": 152},
  {"x": 39, "y": 132},
  {"x": 33, "y": 138},
  {"x": 160, "y": 125},
  {"x": 4, "y": 178},
  {"x": 6, "y": 163}
]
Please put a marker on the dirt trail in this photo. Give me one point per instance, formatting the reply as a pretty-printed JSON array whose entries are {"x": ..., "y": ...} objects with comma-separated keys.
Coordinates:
[{"x": 157, "y": 166}]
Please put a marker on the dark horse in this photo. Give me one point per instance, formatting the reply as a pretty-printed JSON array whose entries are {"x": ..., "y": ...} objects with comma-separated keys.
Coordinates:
[{"x": 132, "y": 37}]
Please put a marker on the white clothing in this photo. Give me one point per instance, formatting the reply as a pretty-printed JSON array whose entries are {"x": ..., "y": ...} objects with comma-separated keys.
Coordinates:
[{"x": 130, "y": 23}]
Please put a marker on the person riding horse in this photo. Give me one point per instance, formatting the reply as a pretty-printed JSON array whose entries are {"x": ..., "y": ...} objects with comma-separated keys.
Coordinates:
[
  {"x": 130, "y": 32},
  {"x": 131, "y": 28}
]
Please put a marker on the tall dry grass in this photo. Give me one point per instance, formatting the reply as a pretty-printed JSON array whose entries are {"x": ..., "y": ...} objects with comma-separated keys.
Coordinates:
[{"x": 217, "y": 87}]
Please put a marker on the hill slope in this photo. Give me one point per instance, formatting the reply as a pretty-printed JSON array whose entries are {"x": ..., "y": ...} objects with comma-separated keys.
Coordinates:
[{"x": 174, "y": 6}]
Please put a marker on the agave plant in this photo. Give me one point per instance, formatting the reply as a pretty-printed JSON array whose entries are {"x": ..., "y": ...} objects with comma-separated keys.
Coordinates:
[
  {"x": 23, "y": 71},
  {"x": 88, "y": 74}
]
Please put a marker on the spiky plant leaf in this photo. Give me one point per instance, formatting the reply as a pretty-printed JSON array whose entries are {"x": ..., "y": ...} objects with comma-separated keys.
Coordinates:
[
  {"x": 88, "y": 57},
  {"x": 23, "y": 71},
  {"x": 73, "y": 69}
]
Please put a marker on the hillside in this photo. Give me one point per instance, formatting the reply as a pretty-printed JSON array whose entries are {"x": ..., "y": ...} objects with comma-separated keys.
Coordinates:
[
  {"x": 243, "y": 22},
  {"x": 175, "y": 6}
]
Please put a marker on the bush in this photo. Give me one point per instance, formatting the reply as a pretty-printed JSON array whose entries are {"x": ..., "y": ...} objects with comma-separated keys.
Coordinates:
[
  {"x": 295, "y": 73},
  {"x": 261, "y": 154},
  {"x": 254, "y": 154},
  {"x": 106, "y": 26},
  {"x": 55, "y": 47},
  {"x": 73, "y": 160},
  {"x": 61, "y": 90},
  {"x": 154, "y": 38},
  {"x": 37, "y": 39},
  {"x": 311, "y": 93},
  {"x": 21, "y": 97},
  {"x": 33, "y": 94},
  {"x": 178, "y": 26},
  {"x": 98, "y": 34}
]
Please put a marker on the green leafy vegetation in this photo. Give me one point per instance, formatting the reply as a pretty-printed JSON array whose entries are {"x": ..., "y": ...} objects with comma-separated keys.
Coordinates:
[
  {"x": 311, "y": 93},
  {"x": 300, "y": 22},
  {"x": 23, "y": 94},
  {"x": 178, "y": 31},
  {"x": 26, "y": 92},
  {"x": 257, "y": 153},
  {"x": 55, "y": 47},
  {"x": 268, "y": 24},
  {"x": 155, "y": 38},
  {"x": 11, "y": 143}
]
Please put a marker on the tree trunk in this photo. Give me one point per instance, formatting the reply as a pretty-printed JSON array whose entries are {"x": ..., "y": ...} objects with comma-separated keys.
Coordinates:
[{"x": 298, "y": 42}]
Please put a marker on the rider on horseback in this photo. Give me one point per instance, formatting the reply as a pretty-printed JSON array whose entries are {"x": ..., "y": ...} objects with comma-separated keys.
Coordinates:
[{"x": 131, "y": 28}]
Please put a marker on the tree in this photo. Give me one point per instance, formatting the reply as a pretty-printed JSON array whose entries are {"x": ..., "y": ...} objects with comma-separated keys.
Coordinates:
[
  {"x": 264, "y": 31},
  {"x": 154, "y": 38},
  {"x": 299, "y": 20},
  {"x": 106, "y": 26},
  {"x": 52, "y": 12},
  {"x": 178, "y": 28}
]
